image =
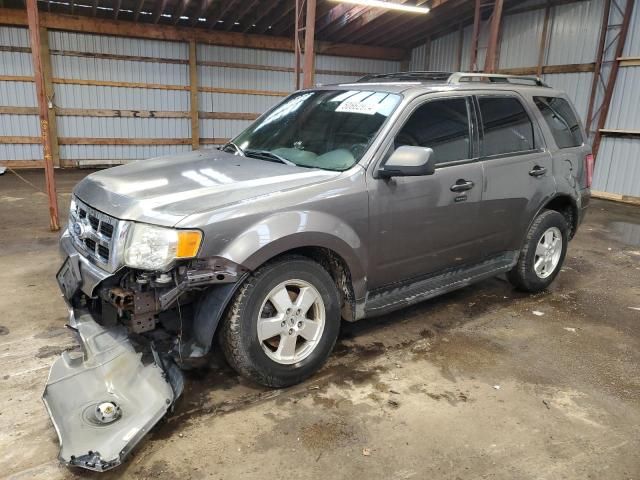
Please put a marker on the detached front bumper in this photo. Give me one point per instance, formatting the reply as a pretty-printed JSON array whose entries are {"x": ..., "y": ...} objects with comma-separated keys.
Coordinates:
[{"x": 105, "y": 400}]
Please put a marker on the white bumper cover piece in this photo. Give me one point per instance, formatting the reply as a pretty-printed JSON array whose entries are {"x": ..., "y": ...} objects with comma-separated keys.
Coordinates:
[{"x": 103, "y": 402}]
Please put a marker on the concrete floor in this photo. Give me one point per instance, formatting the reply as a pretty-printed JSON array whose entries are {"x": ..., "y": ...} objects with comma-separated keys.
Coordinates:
[{"x": 471, "y": 385}]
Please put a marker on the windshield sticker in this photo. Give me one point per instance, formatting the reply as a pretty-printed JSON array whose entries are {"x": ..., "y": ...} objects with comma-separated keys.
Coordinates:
[{"x": 349, "y": 106}]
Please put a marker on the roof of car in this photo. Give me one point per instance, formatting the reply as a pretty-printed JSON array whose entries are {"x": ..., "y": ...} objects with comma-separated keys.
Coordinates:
[{"x": 423, "y": 82}]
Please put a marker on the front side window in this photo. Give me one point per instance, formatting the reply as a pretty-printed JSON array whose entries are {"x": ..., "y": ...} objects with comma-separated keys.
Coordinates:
[
  {"x": 443, "y": 126},
  {"x": 562, "y": 121},
  {"x": 328, "y": 129},
  {"x": 507, "y": 126}
]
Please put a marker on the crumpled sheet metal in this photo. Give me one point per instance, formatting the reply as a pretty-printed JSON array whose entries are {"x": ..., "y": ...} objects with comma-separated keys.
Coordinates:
[{"x": 109, "y": 371}]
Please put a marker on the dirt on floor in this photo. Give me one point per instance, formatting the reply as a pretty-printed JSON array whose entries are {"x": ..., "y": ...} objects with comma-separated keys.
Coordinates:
[{"x": 481, "y": 383}]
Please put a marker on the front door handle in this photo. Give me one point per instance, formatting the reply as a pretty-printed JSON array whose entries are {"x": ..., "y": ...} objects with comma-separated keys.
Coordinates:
[
  {"x": 537, "y": 171},
  {"x": 462, "y": 185}
]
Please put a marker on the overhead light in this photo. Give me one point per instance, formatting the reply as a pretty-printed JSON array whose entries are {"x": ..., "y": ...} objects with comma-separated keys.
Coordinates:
[{"x": 388, "y": 5}]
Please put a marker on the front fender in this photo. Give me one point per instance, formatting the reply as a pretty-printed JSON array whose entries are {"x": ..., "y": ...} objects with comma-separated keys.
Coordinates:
[{"x": 284, "y": 231}]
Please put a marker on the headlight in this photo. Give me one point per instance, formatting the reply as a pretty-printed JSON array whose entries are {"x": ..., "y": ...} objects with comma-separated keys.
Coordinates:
[{"x": 155, "y": 248}]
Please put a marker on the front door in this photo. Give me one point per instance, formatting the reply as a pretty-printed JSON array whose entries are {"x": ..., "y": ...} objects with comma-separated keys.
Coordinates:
[{"x": 421, "y": 225}]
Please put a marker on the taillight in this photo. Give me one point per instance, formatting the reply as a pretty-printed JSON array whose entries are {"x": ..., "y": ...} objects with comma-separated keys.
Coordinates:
[{"x": 588, "y": 167}]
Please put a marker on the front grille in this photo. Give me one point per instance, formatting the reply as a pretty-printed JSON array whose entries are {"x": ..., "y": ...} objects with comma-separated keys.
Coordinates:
[{"x": 96, "y": 235}]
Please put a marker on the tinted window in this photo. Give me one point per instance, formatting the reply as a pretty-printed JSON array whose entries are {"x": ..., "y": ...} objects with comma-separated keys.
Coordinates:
[
  {"x": 561, "y": 120},
  {"x": 442, "y": 125},
  {"x": 507, "y": 127}
]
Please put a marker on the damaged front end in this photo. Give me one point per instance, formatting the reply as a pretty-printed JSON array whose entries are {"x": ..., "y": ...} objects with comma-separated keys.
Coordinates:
[
  {"x": 103, "y": 402},
  {"x": 136, "y": 330}
]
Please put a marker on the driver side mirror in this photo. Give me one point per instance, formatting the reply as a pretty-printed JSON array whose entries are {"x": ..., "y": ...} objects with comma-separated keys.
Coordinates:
[{"x": 408, "y": 161}]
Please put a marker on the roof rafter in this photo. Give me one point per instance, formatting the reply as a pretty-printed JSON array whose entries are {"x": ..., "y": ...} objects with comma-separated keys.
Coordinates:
[
  {"x": 180, "y": 11},
  {"x": 225, "y": 9},
  {"x": 202, "y": 10},
  {"x": 240, "y": 13},
  {"x": 159, "y": 10},
  {"x": 257, "y": 19}
]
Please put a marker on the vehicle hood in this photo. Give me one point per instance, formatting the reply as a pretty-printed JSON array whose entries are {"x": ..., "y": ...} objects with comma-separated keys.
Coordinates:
[{"x": 165, "y": 190}]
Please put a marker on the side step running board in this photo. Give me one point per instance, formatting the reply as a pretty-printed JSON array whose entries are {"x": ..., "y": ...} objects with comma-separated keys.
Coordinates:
[{"x": 391, "y": 299}]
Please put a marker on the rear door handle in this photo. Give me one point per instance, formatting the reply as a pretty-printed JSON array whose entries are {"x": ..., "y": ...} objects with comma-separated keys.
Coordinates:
[
  {"x": 462, "y": 185},
  {"x": 537, "y": 171}
]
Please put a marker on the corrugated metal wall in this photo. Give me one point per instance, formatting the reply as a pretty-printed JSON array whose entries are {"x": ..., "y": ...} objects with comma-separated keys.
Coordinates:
[
  {"x": 618, "y": 162},
  {"x": 571, "y": 39},
  {"x": 122, "y": 76}
]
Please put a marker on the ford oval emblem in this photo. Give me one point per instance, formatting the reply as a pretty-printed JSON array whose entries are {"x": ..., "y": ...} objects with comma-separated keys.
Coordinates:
[{"x": 77, "y": 229}]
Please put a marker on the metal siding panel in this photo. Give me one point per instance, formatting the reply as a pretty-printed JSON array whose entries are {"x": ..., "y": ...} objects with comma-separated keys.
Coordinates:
[
  {"x": 632, "y": 46},
  {"x": 576, "y": 85},
  {"x": 575, "y": 28},
  {"x": 444, "y": 52},
  {"x": 223, "y": 102},
  {"x": 108, "y": 127},
  {"x": 18, "y": 94},
  {"x": 9, "y": 151},
  {"x": 14, "y": 37},
  {"x": 618, "y": 166},
  {"x": 419, "y": 58},
  {"x": 520, "y": 39},
  {"x": 118, "y": 153},
  {"x": 87, "y": 96},
  {"x": 81, "y": 42},
  {"x": 624, "y": 113},
  {"x": 20, "y": 125}
]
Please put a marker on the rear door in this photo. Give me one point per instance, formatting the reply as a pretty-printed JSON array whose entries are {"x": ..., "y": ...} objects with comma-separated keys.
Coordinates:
[{"x": 517, "y": 169}]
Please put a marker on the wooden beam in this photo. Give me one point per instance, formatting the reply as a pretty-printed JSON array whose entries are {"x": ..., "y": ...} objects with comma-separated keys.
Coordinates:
[
  {"x": 193, "y": 96},
  {"x": 491, "y": 59},
  {"x": 45, "y": 132},
  {"x": 228, "y": 116},
  {"x": 123, "y": 141},
  {"x": 20, "y": 164},
  {"x": 94, "y": 8},
  {"x": 240, "y": 13},
  {"x": 136, "y": 12},
  {"x": 9, "y": 16},
  {"x": 629, "y": 61},
  {"x": 50, "y": 95},
  {"x": 309, "y": 73},
  {"x": 533, "y": 70},
  {"x": 616, "y": 197},
  {"x": 612, "y": 132},
  {"x": 159, "y": 10},
  {"x": 180, "y": 11},
  {"x": 475, "y": 34},
  {"x": 19, "y": 110},
  {"x": 214, "y": 141},
  {"x": 110, "y": 83},
  {"x": 543, "y": 39},
  {"x": 103, "y": 112},
  {"x": 19, "y": 140},
  {"x": 116, "y": 9},
  {"x": 243, "y": 91},
  {"x": 202, "y": 10}
]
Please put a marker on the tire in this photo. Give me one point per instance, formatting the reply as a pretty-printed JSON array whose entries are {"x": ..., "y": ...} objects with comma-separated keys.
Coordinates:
[
  {"x": 262, "y": 359},
  {"x": 526, "y": 275}
]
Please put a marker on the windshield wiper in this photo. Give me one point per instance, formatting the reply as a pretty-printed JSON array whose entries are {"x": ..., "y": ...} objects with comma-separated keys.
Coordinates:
[
  {"x": 269, "y": 156},
  {"x": 235, "y": 147}
]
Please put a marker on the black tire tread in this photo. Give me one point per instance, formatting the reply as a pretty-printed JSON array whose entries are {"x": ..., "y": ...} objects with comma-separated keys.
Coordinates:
[{"x": 519, "y": 276}]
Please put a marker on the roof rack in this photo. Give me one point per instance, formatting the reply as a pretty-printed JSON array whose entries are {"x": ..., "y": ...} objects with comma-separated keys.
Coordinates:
[
  {"x": 408, "y": 76},
  {"x": 460, "y": 77}
]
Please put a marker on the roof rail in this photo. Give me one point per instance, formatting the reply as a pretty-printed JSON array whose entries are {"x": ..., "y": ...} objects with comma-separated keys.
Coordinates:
[
  {"x": 408, "y": 76},
  {"x": 460, "y": 77}
]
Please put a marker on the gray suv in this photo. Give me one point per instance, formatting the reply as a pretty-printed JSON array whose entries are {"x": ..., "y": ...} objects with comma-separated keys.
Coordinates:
[{"x": 342, "y": 202}]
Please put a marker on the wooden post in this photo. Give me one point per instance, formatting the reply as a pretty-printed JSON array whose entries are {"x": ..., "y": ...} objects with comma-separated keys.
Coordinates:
[
  {"x": 473, "y": 63},
  {"x": 460, "y": 43},
  {"x": 193, "y": 97},
  {"x": 598, "y": 66},
  {"x": 49, "y": 92},
  {"x": 490, "y": 62},
  {"x": 36, "y": 43},
  {"x": 309, "y": 45},
  {"x": 543, "y": 39}
]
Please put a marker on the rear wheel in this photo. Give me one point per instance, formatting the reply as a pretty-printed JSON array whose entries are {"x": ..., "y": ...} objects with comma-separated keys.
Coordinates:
[
  {"x": 543, "y": 253},
  {"x": 282, "y": 323}
]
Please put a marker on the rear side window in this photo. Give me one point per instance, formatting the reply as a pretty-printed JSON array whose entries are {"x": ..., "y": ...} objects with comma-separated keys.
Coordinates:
[
  {"x": 507, "y": 126},
  {"x": 562, "y": 121},
  {"x": 442, "y": 125}
]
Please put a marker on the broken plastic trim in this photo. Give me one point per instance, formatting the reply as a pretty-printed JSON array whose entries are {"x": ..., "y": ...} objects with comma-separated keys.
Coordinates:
[{"x": 110, "y": 372}]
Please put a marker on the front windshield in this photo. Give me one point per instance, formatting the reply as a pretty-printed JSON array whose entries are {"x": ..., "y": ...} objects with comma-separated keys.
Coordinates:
[{"x": 328, "y": 129}]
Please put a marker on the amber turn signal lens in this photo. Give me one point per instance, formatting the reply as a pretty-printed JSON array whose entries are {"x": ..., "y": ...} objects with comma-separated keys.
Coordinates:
[{"x": 188, "y": 243}]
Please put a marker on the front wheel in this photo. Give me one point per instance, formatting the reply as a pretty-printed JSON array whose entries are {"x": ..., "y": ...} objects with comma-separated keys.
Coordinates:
[
  {"x": 282, "y": 323},
  {"x": 543, "y": 253}
]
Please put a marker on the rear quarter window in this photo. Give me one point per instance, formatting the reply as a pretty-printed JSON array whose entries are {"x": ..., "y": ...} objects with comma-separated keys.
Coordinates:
[{"x": 562, "y": 122}]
